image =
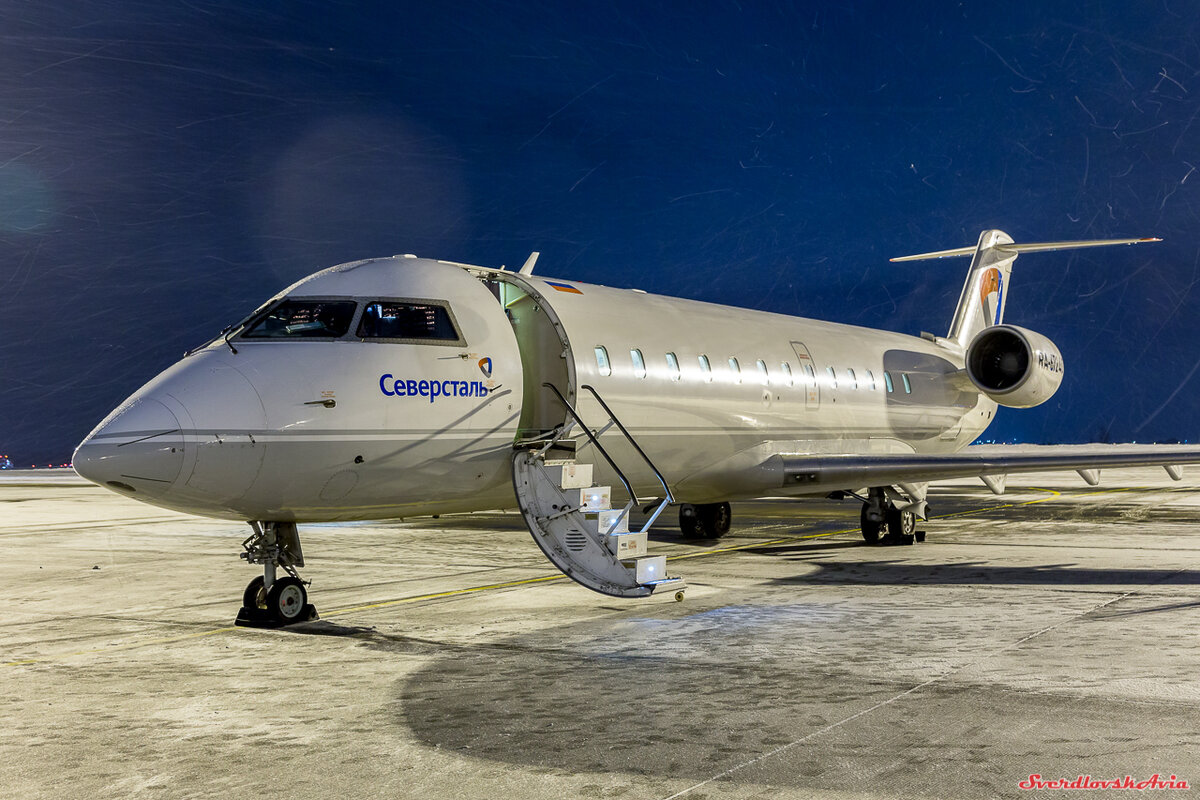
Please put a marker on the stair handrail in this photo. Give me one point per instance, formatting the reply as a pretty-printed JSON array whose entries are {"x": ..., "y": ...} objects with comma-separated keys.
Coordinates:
[
  {"x": 632, "y": 441},
  {"x": 575, "y": 415}
]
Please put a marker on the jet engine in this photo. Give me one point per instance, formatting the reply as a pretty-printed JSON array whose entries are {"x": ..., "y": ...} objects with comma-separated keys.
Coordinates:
[{"x": 1013, "y": 366}]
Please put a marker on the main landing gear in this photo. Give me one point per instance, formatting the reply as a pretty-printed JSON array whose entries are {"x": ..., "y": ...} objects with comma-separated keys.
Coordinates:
[
  {"x": 271, "y": 602},
  {"x": 704, "y": 521},
  {"x": 881, "y": 516}
]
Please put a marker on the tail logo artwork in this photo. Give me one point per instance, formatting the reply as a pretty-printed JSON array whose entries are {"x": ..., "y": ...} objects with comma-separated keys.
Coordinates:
[
  {"x": 991, "y": 290},
  {"x": 485, "y": 366}
]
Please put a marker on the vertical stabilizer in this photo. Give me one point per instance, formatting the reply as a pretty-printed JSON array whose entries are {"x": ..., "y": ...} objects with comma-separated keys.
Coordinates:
[
  {"x": 985, "y": 292},
  {"x": 986, "y": 288}
]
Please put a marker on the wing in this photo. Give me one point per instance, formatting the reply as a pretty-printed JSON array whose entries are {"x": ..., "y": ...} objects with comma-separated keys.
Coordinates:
[{"x": 804, "y": 474}]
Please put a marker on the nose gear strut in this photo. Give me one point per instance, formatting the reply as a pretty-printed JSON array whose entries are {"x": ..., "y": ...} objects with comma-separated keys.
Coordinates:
[{"x": 271, "y": 602}]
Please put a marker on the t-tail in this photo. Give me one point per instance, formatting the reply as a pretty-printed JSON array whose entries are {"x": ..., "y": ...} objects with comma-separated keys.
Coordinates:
[{"x": 985, "y": 291}]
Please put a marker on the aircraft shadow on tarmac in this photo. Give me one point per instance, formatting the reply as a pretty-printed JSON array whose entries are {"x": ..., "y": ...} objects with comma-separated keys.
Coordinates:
[
  {"x": 685, "y": 695},
  {"x": 369, "y": 636},
  {"x": 683, "y": 692},
  {"x": 978, "y": 573}
]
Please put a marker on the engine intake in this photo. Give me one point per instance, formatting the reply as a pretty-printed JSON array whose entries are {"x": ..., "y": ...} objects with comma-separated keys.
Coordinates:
[{"x": 1014, "y": 366}]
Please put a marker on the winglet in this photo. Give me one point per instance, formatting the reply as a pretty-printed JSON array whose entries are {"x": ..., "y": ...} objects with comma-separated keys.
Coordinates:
[{"x": 527, "y": 267}]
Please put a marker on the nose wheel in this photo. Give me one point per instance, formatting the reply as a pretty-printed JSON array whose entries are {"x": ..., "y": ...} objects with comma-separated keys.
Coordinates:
[{"x": 271, "y": 602}]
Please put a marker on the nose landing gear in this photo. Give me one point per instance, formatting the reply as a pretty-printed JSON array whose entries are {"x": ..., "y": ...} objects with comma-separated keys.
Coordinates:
[{"x": 269, "y": 602}]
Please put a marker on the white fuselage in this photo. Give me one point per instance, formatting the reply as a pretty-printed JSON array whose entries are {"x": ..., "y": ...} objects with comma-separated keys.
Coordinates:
[{"x": 344, "y": 428}]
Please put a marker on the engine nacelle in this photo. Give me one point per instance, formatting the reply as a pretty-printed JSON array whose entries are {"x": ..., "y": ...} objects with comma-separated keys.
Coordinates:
[{"x": 1013, "y": 366}]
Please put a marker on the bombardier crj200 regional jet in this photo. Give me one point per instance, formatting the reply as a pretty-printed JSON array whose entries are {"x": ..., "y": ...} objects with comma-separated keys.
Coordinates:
[{"x": 400, "y": 387}]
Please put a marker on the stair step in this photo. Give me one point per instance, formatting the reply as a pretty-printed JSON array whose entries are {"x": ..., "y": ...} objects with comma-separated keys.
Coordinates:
[
  {"x": 591, "y": 499},
  {"x": 627, "y": 545},
  {"x": 569, "y": 474},
  {"x": 667, "y": 585},
  {"x": 648, "y": 569},
  {"x": 603, "y": 523}
]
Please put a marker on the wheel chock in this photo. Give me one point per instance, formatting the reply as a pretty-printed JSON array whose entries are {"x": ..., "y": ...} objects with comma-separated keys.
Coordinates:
[{"x": 261, "y": 618}]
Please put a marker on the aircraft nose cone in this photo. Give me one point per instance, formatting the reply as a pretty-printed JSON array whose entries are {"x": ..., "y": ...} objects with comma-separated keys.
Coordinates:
[{"x": 139, "y": 447}]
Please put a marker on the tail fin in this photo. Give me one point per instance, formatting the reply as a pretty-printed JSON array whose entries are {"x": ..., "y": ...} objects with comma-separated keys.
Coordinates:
[{"x": 985, "y": 291}]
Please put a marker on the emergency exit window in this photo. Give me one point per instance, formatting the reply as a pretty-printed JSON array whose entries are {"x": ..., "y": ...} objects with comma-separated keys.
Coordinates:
[{"x": 602, "y": 364}]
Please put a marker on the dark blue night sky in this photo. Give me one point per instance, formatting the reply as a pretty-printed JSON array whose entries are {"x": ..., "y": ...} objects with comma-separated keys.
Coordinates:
[{"x": 167, "y": 166}]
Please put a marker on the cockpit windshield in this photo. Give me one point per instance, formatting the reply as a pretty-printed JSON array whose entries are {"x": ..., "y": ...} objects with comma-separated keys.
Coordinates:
[
  {"x": 427, "y": 321},
  {"x": 294, "y": 319}
]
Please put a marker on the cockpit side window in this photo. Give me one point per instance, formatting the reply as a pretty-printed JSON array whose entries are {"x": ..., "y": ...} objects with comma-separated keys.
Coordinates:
[
  {"x": 415, "y": 322},
  {"x": 304, "y": 319}
]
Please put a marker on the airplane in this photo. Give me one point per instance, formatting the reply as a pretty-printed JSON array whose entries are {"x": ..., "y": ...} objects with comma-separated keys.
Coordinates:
[{"x": 404, "y": 386}]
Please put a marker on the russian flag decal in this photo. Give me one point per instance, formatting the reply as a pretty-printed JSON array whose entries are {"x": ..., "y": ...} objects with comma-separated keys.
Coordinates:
[{"x": 564, "y": 287}]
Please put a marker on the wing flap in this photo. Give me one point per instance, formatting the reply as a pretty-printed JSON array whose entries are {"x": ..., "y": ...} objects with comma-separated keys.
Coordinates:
[{"x": 805, "y": 473}]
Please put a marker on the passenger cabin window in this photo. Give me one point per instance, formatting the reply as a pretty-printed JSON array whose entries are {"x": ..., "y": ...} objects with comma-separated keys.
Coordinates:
[
  {"x": 907, "y": 385},
  {"x": 763, "y": 378},
  {"x": 853, "y": 378},
  {"x": 304, "y": 319},
  {"x": 832, "y": 377},
  {"x": 705, "y": 368},
  {"x": 871, "y": 379},
  {"x": 736, "y": 369},
  {"x": 673, "y": 366},
  {"x": 420, "y": 323},
  {"x": 887, "y": 381},
  {"x": 786, "y": 368},
  {"x": 639, "y": 363},
  {"x": 602, "y": 363}
]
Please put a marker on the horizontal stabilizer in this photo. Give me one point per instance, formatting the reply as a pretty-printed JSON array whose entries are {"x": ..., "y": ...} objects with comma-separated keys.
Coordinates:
[{"x": 1032, "y": 247}]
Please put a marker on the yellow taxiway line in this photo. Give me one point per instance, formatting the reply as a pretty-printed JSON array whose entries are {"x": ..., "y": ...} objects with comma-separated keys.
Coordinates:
[{"x": 749, "y": 546}]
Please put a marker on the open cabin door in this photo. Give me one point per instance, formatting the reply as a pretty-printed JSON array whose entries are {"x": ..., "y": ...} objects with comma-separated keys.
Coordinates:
[
  {"x": 569, "y": 515},
  {"x": 545, "y": 353}
]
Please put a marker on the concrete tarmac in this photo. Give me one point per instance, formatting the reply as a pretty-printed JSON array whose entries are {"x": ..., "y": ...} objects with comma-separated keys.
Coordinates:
[{"x": 1051, "y": 631}]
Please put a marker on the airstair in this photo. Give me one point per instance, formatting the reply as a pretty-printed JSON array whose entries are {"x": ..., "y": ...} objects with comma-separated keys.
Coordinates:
[{"x": 573, "y": 521}]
